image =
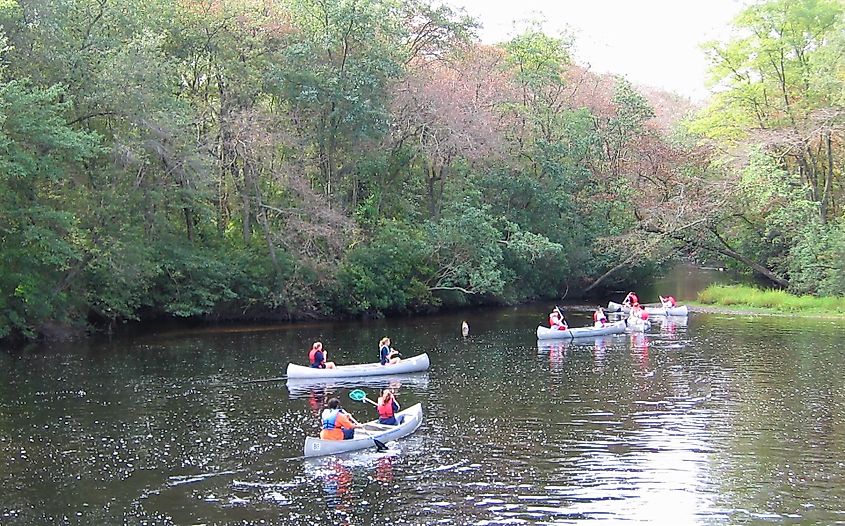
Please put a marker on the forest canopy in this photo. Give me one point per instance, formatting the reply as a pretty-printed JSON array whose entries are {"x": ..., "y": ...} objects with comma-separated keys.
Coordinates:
[{"x": 286, "y": 159}]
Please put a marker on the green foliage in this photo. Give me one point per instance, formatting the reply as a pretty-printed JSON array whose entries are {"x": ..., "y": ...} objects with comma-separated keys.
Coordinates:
[
  {"x": 739, "y": 296},
  {"x": 387, "y": 274},
  {"x": 43, "y": 244},
  {"x": 191, "y": 281},
  {"x": 466, "y": 249},
  {"x": 781, "y": 85},
  {"x": 815, "y": 261},
  {"x": 538, "y": 59},
  {"x": 250, "y": 159}
]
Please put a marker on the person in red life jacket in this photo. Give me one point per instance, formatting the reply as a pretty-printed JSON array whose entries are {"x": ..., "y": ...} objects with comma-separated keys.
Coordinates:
[
  {"x": 668, "y": 302},
  {"x": 317, "y": 356},
  {"x": 337, "y": 424},
  {"x": 631, "y": 299},
  {"x": 387, "y": 408},
  {"x": 556, "y": 320},
  {"x": 599, "y": 317},
  {"x": 387, "y": 354}
]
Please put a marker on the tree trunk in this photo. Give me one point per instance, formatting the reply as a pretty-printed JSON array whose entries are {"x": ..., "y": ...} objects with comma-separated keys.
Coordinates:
[
  {"x": 432, "y": 179},
  {"x": 828, "y": 180}
]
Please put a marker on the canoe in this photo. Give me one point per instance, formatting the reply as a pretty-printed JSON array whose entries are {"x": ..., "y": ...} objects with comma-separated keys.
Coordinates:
[
  {"x": 364, "y": 438},
  {"x": 414, "y": 364},
  {"x": 637, "y": 325},
  {"x": 545, "y": 333},
  {"x": 680, "y": 310}
]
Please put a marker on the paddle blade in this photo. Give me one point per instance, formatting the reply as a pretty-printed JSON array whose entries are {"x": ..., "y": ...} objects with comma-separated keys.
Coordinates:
[
  {"x": 357, "y": 395},
  {"x": 380, "y": 446}
]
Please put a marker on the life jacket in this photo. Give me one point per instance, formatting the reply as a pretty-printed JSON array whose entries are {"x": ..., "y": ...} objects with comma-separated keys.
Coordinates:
[
  {"x": 329, "y": 418},
  {"x": 385, "y": 410},
  {"x": 383, "y": 353},
  {"x": 311, "y": 356},
  {"x": 671, "y": 301},
  {"x": 599, "y": 316},
  {"x": 644, "y": 315}
]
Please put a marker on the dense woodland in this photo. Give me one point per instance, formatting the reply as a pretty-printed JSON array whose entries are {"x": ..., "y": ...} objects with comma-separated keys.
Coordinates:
[{"x": 285, "y": 159}]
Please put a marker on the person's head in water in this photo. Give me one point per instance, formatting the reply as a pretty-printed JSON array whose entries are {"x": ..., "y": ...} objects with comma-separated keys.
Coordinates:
[{"x": 333, "y": 403}]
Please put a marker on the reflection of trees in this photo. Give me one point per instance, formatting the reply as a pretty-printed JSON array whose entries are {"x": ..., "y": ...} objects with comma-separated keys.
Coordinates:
[{"x": 784, "y": 398}]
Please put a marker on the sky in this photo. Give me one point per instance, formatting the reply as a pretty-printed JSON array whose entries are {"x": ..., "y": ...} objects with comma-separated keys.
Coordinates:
[{"x": 651, "y": 42}]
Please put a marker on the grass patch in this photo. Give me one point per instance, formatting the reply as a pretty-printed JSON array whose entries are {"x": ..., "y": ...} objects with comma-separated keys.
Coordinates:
[{"x": 742, "y": 296}]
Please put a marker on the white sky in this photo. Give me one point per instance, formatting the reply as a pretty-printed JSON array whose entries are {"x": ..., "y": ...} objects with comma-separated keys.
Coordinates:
[{"x": 653, "y": 42}]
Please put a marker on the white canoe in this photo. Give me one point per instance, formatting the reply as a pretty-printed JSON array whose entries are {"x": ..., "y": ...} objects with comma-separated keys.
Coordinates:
[
  {"x": 414, "y": 364},
  {"x": 637, "y": 325},
  {"x": 680, "y": 310},
  {"x": 317, "y": 447},
  {"x": 545, "y": 333}
]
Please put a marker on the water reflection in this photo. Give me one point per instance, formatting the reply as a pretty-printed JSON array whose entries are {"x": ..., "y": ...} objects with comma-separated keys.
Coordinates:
[
  {"x": 337, "y": 484},
  {"x": 384, "y": 470},
  {"x": 299, "y": 387},
  {"x": 556, "y": 351},
  {"x": 639, "y": 342}
]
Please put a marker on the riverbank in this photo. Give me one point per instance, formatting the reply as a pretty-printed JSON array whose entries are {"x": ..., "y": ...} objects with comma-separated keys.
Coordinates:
[{"x": 741, "y": 299}]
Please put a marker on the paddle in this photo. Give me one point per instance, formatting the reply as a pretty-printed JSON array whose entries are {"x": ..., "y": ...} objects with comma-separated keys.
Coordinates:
[
  {"x": 359, "y": 396},
  {"x": 562, "y": 317}
]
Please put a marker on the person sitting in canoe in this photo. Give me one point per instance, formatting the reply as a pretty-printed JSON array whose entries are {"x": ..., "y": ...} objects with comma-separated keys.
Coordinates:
[
  {"x": 337, "y": 424},
  {"x": 638, "y": 313},
  {"x": 387, "y": 408},
  {"x": 668, "y": 302},
  {"x": 599, "y": 317},
  {"x": 556, "y": 320},
  {"x": 631, "y": 299},
  {"x": 317, "y": 356},
  {"x": 387, "y": 354}
]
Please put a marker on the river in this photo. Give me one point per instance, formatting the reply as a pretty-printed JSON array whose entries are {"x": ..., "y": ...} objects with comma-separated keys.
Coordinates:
[{"x": 710, "y": 419}]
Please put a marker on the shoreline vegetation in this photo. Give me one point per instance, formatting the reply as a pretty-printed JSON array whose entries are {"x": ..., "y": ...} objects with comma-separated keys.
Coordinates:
[
  {"x": 743, "y": 299},
  {"x": 253, "y": 160}
]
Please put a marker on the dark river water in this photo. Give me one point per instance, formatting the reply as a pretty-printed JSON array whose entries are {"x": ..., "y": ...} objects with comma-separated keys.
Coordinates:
[{"x": 710, "y": 419}]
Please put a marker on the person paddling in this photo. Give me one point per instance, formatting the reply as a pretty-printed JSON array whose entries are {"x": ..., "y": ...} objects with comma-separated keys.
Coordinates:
[
  {"x": 337, "y": 424},
  {"x": 668, "y": 302},
  {"x": 638, "y": 313},
  {"x": 387, "y": 354},
  {"x": 631, "y": 299},
  {"x": 317, "y": 356},
  {"x": 387, "y": 408},
  {"x": 556, "y": 320}
]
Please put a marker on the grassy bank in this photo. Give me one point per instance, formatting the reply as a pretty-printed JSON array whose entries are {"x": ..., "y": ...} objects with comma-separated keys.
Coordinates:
[{"x": 743, "y": 297}]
